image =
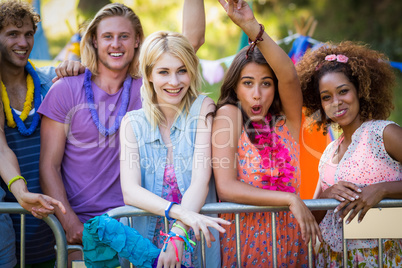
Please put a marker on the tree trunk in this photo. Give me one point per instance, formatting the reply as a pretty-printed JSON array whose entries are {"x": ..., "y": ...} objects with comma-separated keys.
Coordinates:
[{"x": 88, "y": 8}]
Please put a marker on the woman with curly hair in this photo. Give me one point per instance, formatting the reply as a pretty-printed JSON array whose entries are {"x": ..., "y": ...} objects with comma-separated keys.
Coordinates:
[{"x": 350, "y": 85}]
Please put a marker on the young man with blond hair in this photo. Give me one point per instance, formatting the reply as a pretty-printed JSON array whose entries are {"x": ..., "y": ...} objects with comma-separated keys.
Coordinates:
[{"x": 81, "y": 115}]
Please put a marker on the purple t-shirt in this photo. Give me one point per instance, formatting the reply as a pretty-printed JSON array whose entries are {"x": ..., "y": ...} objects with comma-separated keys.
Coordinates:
[{"x": 90, "y": 167}]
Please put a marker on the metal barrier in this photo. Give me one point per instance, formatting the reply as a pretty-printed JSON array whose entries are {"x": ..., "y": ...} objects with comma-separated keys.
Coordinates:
[
  {"x": 215, "y": 208},
  {"x": 316, "y": 204},
  {"x": 54, "y": 224}
]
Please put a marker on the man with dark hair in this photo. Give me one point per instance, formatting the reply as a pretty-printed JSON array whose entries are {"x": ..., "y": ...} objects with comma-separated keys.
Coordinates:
[{"x": 22, "y": 89}]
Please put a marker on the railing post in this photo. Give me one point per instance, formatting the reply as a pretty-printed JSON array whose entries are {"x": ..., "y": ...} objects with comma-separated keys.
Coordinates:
[
  {"x": 380, "y": 253},
  {"x": 203, "y": 255},
  {"x": 61, "y": 241},
  {"x": 238, "y": 245},
  {"x": 22, "y": 242},
  {"x": 273, "y": 225},
  {"x": 310, "y": 254}
]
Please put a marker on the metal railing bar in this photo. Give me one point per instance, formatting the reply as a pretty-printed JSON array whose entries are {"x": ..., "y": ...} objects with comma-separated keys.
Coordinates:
[
  {"x": 310, "y": 254},
  {"x": 203, "y": 255},
  {"x": 22, "y": 242},
  {"x": 345, "y": 253},
  {"x": 380, "y": 253},
  {"x": 216, "y": 208},
  {"x": 54, "y": 224},
  {"x": 61, "y": 241},
  {"x": 227, "y": 207},
  {"x": 238, "y": 244},
  {"x": 273, "y": 228}
]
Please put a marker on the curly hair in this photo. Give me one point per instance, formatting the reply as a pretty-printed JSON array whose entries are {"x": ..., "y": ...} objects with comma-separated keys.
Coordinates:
[
  {"x": 15, "y": 12},
  {"x": 368, "y": 70}
]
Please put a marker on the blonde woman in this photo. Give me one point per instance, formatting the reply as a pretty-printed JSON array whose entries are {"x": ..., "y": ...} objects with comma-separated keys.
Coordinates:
[{"x": 166, "y": 152}]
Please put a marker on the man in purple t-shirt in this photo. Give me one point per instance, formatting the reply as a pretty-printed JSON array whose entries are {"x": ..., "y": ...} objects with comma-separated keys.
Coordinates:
[{"x": 81, "y": 115}]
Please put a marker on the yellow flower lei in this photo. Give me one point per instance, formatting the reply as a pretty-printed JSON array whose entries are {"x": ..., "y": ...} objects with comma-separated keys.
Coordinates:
[{"x": 27, "y": 104}]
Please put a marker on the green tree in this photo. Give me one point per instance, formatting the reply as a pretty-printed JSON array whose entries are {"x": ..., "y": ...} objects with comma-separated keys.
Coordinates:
[{"x": 88, "y": 8}]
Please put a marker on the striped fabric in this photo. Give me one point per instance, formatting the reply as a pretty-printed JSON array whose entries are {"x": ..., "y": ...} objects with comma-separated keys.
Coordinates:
[{"x": 39, "y": 237}]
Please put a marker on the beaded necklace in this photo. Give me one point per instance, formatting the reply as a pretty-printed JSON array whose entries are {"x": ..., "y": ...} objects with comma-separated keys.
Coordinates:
[
  {"x": 123, "y": 107},
  {"x": 33, "y": 92},
  {"x": 273, "y": 156}
]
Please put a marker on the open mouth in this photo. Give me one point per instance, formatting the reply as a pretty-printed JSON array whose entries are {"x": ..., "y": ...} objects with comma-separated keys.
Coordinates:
[{"x": 256, "y": 109}]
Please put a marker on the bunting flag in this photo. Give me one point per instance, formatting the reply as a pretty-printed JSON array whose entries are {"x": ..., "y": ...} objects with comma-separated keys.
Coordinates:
[
  {"x": 397, "y": 65},
  {"x": 213, "y": 71},
  {"x": 299, "y": 47}
]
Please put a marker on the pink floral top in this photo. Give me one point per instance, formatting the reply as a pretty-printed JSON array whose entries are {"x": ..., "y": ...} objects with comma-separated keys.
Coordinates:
[{"x": 365, "y": 162}]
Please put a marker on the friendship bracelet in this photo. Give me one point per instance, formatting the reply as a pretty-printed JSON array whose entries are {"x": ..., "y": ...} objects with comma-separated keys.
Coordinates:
[
  {"x": 170, "y": 238},
  {"x": 185, "y": 232},
  {"x": 169, "y": 206},
  {"x": 256, "y": 41},
  {"x": 187, "y": 243},
  {"x": 15, "y": 179}
]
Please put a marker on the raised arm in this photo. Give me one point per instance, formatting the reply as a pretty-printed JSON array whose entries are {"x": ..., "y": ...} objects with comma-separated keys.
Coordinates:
[
  {"x": 226, "y": 131},
  {"x": 38, "y": 204},
  {"x": 53, "y": 140},
  {"x": 288, "y": 82},
  {"x": 194, "y": 22}
]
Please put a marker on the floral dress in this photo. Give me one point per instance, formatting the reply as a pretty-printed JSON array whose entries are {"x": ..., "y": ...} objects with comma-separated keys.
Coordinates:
[
  {"x": 255, "y": 228},
  {"x": 365, "y": 162},
  {"x": 171, "y": 193}
]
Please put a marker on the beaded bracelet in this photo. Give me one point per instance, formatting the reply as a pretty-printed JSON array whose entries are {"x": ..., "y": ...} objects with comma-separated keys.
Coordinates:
[
  {"x": 169, "y": 206},
  {"x": 256, "y": 41},
  {"x": 15, "y": 179},
  {"x": 185, "y": 232}
]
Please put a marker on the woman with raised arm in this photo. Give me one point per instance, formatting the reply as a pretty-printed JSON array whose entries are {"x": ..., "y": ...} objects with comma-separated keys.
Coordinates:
[{"x": 256, "y": 150}]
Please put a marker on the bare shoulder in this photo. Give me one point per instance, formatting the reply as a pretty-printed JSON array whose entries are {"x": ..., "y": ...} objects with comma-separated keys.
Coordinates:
[
  {"x": 229, "y": 110},
  {"x": 392, "y": 141},
  {"x": 392, "y": 132},
  {"x": 208, "y": 106},
  {"x": 228, "y": 118}
]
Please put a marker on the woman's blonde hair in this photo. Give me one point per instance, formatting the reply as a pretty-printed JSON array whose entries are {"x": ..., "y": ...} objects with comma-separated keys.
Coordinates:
[
  {"x": 89, "y": 56},
  {"x": 178, "y": 46}
]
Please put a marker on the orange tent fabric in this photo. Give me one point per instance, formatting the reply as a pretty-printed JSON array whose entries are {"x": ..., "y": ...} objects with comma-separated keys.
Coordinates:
[{"x": 312, "y": 145}]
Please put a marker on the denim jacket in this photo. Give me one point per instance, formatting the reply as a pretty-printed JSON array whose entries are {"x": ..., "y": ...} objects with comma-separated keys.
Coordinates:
[
  {"x": 153, "y": 155},
  {"x": 46, "y": 74}
]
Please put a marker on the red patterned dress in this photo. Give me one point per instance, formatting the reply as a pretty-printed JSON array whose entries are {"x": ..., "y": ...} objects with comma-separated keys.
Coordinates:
[{"x": 255, "y": 228}]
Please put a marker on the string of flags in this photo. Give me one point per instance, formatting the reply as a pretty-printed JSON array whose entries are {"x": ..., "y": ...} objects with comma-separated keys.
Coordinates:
[{"x": 213, "y": 71}]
